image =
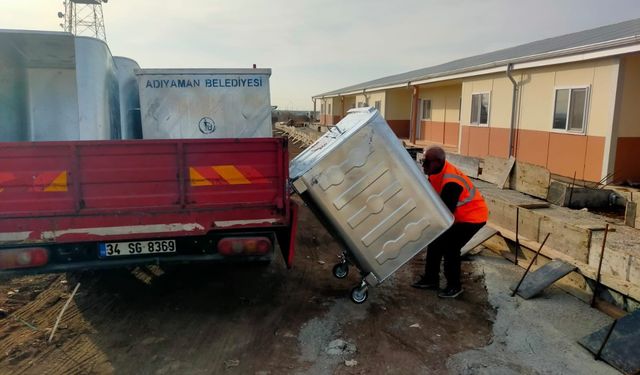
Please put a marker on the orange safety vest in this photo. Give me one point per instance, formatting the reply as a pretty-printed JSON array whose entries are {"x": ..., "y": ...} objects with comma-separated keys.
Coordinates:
[{"x": 471, "y": 206}]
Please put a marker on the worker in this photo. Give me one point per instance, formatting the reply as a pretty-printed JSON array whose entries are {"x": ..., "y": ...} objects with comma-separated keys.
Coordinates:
[{"x": 470, "y": 214}]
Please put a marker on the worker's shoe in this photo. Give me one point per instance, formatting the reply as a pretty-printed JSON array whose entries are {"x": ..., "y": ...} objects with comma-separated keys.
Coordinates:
[
  {"x": 423, "y": 283},
  {"x": 451, "y": 292}
]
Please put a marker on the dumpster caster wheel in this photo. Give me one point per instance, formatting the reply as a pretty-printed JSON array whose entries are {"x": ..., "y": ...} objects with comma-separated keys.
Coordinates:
[
  {"x": 359, "y": 294},
  {"x": 341, "y": 270}
]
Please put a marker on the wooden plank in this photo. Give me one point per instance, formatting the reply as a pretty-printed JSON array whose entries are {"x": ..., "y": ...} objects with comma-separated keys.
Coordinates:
[
  {"x": 612, "y": 310},
  {"x": 634, "y": 269},
  {"x": 483, "y": 234},
  {"x": 630, "y": 214},
  {"x": 616, "y": 283},
  {"x": 570, "y": 239},
  {"x": 467, "y": 164},
  {"x": 495, "y": 169},
  {"x": 503, "y": 181},
  {"x": 504, "y": 214},
  {"x": 614, "y": 262},
  {"x": 530, "y": 179},
  {"x": 511, "y": 196},
  {"x": 528, "y": 225}
]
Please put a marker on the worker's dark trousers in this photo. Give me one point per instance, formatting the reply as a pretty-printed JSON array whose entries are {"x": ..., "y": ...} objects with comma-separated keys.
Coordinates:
[{"x": 448, "y": 246}]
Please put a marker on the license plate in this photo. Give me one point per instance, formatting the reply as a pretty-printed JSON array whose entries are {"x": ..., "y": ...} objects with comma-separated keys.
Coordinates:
[{"x": 114, "y": 249}]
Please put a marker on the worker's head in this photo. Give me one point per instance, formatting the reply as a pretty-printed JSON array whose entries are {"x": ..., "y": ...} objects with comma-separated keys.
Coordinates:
[{"x": 434, "y": 159}]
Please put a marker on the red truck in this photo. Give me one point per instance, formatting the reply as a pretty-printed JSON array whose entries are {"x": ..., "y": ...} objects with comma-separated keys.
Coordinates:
[{"x": 76, "y": 205}]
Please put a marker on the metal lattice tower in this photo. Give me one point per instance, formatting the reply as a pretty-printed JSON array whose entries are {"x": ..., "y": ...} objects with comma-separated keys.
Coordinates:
[{"x": 84, "y": 17}]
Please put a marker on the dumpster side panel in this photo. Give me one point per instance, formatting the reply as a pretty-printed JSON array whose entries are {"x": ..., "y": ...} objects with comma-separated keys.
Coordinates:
[{"x": 375, "y": 196}]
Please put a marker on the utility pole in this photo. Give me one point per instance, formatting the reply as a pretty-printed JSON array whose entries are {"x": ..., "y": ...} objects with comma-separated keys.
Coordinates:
[{"x": 84, "y": 17}]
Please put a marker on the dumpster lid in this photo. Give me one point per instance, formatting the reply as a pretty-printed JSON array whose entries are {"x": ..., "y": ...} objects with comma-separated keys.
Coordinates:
[{"x": 356, "y": 119}]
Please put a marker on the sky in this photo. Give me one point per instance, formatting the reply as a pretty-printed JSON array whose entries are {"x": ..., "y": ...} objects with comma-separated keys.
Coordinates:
[{"x": 318, "y": 46}]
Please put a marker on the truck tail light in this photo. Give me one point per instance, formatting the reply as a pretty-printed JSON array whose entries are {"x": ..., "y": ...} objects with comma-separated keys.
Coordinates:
[
  {"x": 244, "y": 246},
  {"x": 23, "y": 258}
]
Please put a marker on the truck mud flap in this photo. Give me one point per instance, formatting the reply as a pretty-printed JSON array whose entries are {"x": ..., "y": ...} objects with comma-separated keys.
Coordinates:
[{"x": 287, "y": 236}]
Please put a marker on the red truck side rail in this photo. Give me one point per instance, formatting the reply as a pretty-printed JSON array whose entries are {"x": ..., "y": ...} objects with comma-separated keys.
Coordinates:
[{"x": 55, "y": 194}]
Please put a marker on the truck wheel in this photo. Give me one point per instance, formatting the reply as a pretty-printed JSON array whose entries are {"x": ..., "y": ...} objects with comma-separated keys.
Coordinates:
[
  {"x": 341, "y": 270},
  {"x": 359, "y": 294}
]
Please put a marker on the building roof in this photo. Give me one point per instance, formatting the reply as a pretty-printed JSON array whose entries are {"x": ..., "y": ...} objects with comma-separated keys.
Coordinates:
[{"x": 619, "y": 34}]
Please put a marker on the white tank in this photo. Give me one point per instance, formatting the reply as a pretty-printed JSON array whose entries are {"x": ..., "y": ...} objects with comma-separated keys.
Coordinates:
[{"x": 56, "y": 87}]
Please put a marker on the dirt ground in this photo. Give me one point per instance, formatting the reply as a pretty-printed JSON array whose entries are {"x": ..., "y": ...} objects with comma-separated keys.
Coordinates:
[{"x": 238, "y": 319}]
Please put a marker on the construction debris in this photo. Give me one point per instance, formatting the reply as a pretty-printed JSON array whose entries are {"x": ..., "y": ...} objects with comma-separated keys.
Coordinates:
[
  {"x": 351, "y": 363},
  {"x": 618, "y": 344},
  {"x": 64, "y": 308},
  {"x": 340, "y": 347},
  {"x": 231, "y": 363},
  {"x": 543, "y": 277}
]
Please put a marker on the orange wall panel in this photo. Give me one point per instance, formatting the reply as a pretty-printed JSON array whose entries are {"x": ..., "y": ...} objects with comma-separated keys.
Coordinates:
[
  {"x": 464, "y": 141},
  {"x": 532, "y": 147},
  {"x": 437, "y": 134},
  {"x": 594, "y": 158},
  {"x": 451, "y": 133},
  {"x": 566, "y": 154},
  {"x": 579, "y": 154},
  {"x": 426, "y": 131},
  {"x": 478, "y": 141},
  {"x": 627, "y": 166},
  {"x": 499, "y": 142},
  {"x": 561, "y": 153}
]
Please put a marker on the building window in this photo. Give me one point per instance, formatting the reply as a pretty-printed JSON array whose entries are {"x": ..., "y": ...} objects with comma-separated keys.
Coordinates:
[
  {"x": 570, "y": 109},
  {"x": 378, "y": 104},
  {"x": 426, "y": 109},
  {"x": 329, "y": 109},
  {"x": 459, "y": 108},
  {"x": 322, "y": 108},
  {"x": 480, "y": 109}
]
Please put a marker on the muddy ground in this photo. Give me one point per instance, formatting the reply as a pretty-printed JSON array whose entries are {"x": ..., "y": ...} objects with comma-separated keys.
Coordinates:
[{"x": 238, "y": 319}]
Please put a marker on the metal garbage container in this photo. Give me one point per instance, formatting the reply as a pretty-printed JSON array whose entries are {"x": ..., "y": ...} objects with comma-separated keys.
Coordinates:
[{"x": 365, "y": 188}]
